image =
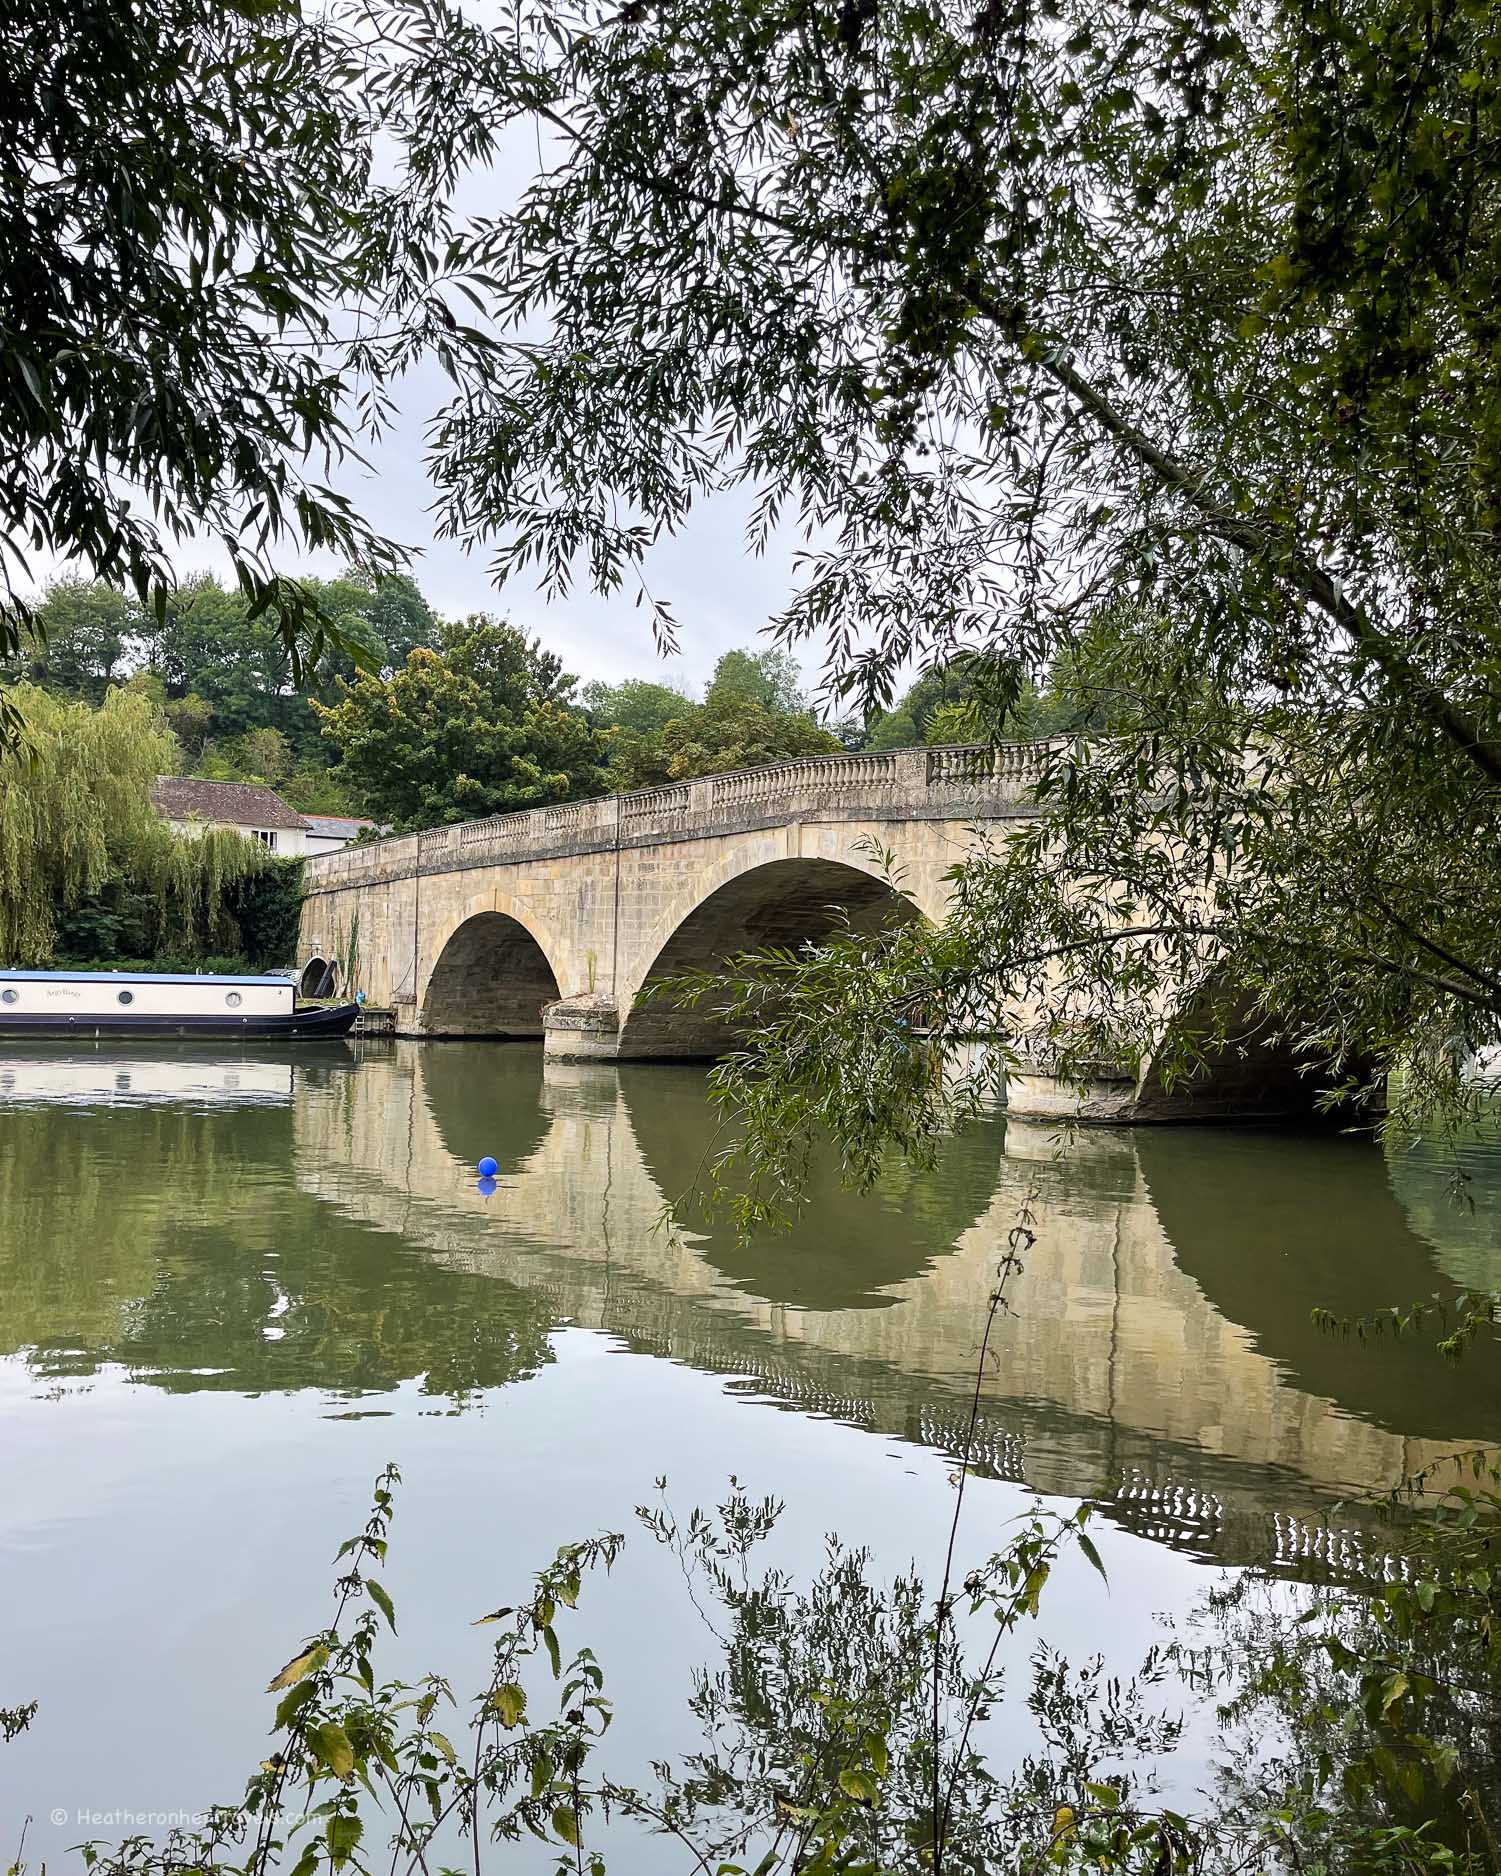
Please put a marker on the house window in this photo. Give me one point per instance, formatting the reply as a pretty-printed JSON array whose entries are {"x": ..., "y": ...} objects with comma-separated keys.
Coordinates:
[{"x": 265, "y": 835}]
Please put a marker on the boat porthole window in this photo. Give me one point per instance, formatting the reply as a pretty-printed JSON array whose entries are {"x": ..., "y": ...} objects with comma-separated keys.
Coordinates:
[
  {"x": 233, "y": 999},
  {"x": 10, "y": 996},
  {"x": 127, "y": 996}
]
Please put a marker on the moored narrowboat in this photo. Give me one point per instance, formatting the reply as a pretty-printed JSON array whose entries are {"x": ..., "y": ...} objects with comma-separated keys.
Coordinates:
[{"x": 86, "y": 1004}]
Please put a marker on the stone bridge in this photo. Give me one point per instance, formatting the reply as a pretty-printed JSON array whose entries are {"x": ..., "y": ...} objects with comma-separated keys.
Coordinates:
[{"x": 551, "y": 922}]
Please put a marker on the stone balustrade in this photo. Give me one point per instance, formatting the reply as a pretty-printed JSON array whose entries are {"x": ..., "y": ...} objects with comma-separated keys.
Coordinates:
[{"x": 899, "y": 784}]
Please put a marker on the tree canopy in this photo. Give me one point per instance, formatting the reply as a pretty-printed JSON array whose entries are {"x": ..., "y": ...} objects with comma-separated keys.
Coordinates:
[
  {"x": 206, "y": 289},
  {"x": 637, "y": 704},
  {"x": 487, "y": 723},
  {"x": 753, "y": 713},
  {"x": 1162, "y": 343},
  {"x": 76, "y": 820},
  {"x": 221, "y": 676}
]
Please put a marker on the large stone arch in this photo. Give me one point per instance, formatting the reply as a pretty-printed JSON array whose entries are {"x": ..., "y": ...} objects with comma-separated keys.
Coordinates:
[
  {"x": 492, "y": 974},
  {"x": 845, "y": 1249},
  {"x": 756, "y": 900},
  {"x": 1257, "y": 1247}
]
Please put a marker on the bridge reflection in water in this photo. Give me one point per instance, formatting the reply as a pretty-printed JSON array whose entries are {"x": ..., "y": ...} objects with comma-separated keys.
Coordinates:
[
  {"x": 314, "y": 1223},
  {"x": 1162, "y": 1359}
]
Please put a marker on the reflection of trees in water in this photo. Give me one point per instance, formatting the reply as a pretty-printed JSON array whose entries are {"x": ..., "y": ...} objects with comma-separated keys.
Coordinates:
[
  {"x": 1453, "y": 1198},
  {"x": 843, "y": 1249},
  {"x": 176, "y": 1240},
  {"x": 89, "y": 1197},
  {"x": 171, "y": 1241},
  {"x": 1274, "y": 1226}
]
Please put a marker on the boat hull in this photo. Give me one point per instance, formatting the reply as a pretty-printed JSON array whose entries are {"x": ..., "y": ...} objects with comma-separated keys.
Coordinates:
[{"x": 299, "y": 1026}]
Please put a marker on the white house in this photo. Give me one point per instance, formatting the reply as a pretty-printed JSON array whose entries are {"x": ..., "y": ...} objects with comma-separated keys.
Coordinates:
[
  {"x": 189, "y": 806},
  {"x": 326, "y": 833}
]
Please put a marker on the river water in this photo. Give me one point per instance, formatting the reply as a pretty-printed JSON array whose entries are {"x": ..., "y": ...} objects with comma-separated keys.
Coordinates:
[{"x": 233, "y": 1287}]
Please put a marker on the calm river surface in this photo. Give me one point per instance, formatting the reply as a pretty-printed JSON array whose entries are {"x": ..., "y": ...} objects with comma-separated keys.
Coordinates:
[{"x": 232, "y": 1288}]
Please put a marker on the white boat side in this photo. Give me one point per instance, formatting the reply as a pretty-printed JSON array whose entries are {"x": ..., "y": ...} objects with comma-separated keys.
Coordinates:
[{"x": 120, "y": 994}]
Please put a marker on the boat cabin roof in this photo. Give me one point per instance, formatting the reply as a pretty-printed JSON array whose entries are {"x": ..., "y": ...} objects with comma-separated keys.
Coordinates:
[{"x": 132, "y": 977}]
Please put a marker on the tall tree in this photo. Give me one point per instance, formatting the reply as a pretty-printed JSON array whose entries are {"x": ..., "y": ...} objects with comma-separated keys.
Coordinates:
[
  {"x": 88, "y": 631},
  {"x": 486, "y": 724},
  {"x": 636, "y": 704},
  {"x": 729, "y": 730},
  {"x": 1186, "y": 316},
  {"x": 76, "y": 814},
  {"x": 207, "y": 644},
  {"x": 768, "y": 678},
  {"x": 202, "y": 291}
]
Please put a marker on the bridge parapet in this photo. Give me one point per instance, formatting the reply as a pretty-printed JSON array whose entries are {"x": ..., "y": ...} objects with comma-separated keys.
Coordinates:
[{"x": 900, "y": 784}]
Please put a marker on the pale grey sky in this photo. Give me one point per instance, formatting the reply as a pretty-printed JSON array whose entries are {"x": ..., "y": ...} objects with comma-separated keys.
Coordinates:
[{"x": 721, "y": 596}]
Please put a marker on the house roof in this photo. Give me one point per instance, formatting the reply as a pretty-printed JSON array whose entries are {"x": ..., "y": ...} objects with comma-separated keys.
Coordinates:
[
  {"x": 237, "y": 804},
  {"x": 341, "y": 826}
]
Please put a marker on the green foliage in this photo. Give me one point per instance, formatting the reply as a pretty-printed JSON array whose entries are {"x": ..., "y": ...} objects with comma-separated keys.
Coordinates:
[
  {"x": 209, "y": 647},
  {"x": 637, "y": 705},
  {"x": 769, "y": 679},
  {"x": 734, "y": 733},
  {"x": 266, "y": 907},
  {"x": 1163, "y": 352},
  {"x": 79, "y": 836},
  {"x": 222, "y": 678},
  {"x": 845, "y": 1731},
  {"x": 85, "y": 631},
  {"x": 266, "y": 754},
  {"x": 753, "y": 713},
  {"x": 180, "y": 287},
  {"x": 893, "y": 729},
  {"x": 486, "y": 724}
]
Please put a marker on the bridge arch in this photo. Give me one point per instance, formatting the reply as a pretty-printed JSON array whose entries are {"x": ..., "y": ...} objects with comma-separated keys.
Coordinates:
[
  {"x": 755, "y": 901},
  {"x": 1255, "y": 1074},
  {"x": 492, "y": 973}
]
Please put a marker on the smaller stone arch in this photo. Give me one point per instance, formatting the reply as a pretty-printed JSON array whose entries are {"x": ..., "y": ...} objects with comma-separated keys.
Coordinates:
[
  {"x": 491, "y": 977},
  {"x": 320, "y": 977},
  {"x": 789, "y": 902}
]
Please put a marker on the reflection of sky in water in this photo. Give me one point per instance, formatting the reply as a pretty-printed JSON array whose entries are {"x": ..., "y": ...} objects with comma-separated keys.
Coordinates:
[
  {"x": 224, "y": 1313},
  {"x": 223, "y": 1511},
  {"x": 136, "y": 1080}
]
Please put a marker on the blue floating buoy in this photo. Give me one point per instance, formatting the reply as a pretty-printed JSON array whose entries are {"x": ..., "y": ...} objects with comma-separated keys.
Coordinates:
[
  {"x": 488, "y": 1168},
  {"x": 486, "y": 1186}
]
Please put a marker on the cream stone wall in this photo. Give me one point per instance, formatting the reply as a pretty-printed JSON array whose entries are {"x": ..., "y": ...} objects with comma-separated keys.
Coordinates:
[
  {"x": 550, "y": 923},
  {"x": 595, "y": 893}
]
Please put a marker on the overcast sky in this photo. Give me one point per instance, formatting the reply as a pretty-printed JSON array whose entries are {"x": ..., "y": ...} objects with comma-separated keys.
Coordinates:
[{"x": 720, "y": 595}]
